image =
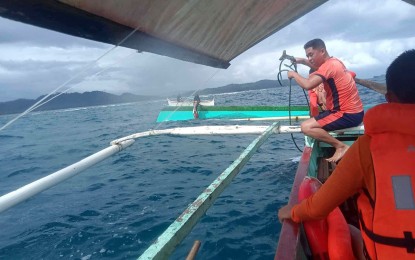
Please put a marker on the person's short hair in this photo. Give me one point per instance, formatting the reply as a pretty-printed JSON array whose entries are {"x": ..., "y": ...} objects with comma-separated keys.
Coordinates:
[
  {"x": 315, "y": 44},
  {"x": 400, "y": 77}
]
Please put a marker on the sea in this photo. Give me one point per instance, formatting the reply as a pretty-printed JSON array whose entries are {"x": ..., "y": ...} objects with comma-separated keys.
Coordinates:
[{"x": 118, "y": 208}]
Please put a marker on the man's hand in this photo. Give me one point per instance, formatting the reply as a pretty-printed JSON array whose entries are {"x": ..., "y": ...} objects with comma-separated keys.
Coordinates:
[
  {"x": 290, "y": 74},
  {"x": 284, "y": 213}
]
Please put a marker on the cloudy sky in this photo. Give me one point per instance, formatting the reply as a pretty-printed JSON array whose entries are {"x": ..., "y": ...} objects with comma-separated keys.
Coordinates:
[{"x": 366, "y": 34}]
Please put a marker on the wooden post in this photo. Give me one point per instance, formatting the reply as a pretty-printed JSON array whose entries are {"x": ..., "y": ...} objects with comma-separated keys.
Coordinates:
[
  {"x": 194, "y": 250},
  {"x": 380, "y": 88}
]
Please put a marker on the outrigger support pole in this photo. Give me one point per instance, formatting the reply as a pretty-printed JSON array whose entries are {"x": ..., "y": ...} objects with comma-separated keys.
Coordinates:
[
  {"x": 214, "y": 130},
  {"x": 15, "y": 197},
  {"x": 181, "y": 227}
]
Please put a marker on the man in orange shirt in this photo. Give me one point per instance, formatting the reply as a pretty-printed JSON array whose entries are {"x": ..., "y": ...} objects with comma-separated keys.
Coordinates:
[
  {"x": 380, "y": 168},
  {"x": 344, "y": 107}
]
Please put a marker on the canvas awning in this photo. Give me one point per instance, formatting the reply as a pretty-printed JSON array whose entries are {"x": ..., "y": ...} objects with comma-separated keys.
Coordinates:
[{"x": 209, "y": 32}]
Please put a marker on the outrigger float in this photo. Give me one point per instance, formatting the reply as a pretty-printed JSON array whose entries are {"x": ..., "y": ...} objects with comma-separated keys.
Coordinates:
[{"x": 163, "y": 27}]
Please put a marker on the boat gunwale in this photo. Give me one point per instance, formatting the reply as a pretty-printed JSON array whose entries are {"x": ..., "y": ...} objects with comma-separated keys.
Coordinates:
[
  {"x": 288, "y": 238},
  {"x": 237, "y": 108}
]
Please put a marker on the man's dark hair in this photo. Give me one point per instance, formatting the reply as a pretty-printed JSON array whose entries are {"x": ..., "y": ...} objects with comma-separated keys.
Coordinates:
[
  {"x": 315, "y": 44},
  {"x": 400, "y": 77}
]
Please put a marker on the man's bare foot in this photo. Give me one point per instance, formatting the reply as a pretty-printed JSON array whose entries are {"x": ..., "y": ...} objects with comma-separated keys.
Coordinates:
[{"x": 338, "y": 154}]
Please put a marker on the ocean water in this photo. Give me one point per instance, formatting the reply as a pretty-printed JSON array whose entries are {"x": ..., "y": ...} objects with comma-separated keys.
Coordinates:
[{"x": 117, "y": 208}]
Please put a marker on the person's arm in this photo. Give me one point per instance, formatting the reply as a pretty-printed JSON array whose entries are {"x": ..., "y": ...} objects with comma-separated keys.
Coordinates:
[
  {"x": 305, "y": 62},
  {"x": 310, "y": 83},
  {"x": 346, "y": 180}
]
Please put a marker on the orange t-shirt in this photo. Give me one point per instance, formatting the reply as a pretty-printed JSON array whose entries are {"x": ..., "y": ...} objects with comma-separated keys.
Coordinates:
[
  {"x": 354, "y": 172},
  {"x": 342, "y": 93}
]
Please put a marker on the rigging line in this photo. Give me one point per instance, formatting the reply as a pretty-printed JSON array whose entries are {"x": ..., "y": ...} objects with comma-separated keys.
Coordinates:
[
  {"x": 186, "y": 98},
  {"x": 291, "y": 67},
  {"x": 289, "y": 115},
  {"x": 96, "y": 74},
  {"x": 30, "y": 109}
]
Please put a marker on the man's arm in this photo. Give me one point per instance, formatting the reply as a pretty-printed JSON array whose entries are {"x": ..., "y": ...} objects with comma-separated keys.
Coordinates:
[
  {"x": 306, "y": 62},
  {"x": 346, "y": 180},
  {"x": 310, "y": 83}
]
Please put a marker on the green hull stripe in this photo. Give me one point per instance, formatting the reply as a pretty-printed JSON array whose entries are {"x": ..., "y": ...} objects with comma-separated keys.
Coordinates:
[
  {"x": 180, "y": 115},
  {"x": 237, "y": 108}
]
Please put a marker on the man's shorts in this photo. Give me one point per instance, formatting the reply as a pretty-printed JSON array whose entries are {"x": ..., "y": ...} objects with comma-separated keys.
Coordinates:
[{"x": 335, "y": 120}]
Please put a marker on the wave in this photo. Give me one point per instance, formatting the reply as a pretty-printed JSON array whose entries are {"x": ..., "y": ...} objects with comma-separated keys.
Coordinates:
[{"x": 11, "y": 136}]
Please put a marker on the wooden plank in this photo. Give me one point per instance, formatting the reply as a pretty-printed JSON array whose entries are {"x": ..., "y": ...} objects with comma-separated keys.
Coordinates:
[
  {"x": 323, "y": 169},
  {"x": 181, "y": 227}
]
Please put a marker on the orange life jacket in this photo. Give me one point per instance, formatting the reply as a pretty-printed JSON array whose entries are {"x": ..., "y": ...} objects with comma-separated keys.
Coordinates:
[
  {"x": 313, "y": 103},
  {"x": 388, "y": 220}
]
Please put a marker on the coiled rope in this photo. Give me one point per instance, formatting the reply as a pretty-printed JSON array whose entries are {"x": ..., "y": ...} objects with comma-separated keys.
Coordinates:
[{"x": 291, "y": 67}]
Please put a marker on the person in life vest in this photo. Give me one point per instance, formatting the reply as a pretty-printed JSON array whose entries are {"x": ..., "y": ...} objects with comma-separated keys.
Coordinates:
[
  {"x": 380, "y": 168},
  {"x": 344, "y": 106},
  {"x": 318, "y": 96}
]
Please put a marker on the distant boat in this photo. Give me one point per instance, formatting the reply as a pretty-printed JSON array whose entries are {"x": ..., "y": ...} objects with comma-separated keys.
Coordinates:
[
  {"x": 235, "y": 112},
  {"x": 189, "y": 103}
]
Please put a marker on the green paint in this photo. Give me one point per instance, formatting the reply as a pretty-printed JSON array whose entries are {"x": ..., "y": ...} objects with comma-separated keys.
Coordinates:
[{"x": 230, "y": 112}]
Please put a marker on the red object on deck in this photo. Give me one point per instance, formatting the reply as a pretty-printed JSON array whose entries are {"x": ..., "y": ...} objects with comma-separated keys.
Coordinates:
[
  {"x": 316, "y": 230},
  {"x": 339, "y": 238},
  {"x": 195, "y": 114}
]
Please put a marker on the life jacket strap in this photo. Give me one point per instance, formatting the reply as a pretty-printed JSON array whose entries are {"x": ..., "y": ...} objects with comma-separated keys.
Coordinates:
[{"x": 407, "y": 241}]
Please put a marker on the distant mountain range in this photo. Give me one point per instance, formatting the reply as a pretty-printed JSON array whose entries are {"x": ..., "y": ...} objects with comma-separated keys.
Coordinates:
[
  {"x": 71, "y": 100},
  {"x": 262, "y": 84},
  {"x": 97, "y": 98}
]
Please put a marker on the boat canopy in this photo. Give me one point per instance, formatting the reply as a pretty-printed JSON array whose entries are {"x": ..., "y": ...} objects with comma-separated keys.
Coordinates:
[{"x": 208, "y": 32}]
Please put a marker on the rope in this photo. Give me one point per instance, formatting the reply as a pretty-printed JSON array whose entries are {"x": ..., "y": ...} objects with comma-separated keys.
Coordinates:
[
  {"x": 291, "y": 67},
  {"x": 96, "y": 74},
  {"x": 86, "y": 67}
]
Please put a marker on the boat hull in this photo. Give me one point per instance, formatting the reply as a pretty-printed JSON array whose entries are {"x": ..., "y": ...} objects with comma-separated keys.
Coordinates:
[{"x": 232, "y": 112}]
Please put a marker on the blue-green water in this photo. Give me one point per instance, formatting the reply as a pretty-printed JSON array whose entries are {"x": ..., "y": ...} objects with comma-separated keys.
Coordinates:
[{"x": 120, "y": 206}]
